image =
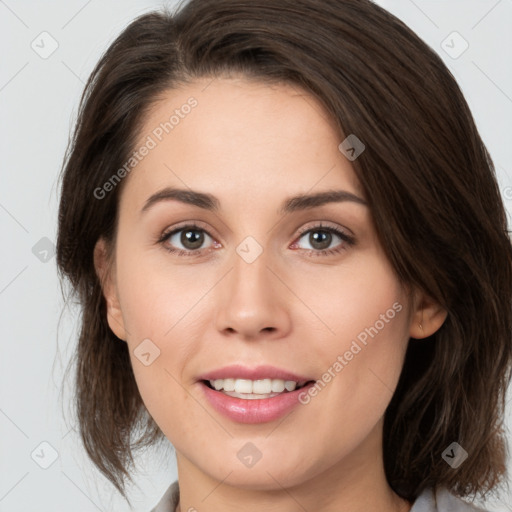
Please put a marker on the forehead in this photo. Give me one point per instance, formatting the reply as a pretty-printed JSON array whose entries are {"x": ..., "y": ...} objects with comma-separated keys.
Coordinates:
[{"x": 230, "y": 135}]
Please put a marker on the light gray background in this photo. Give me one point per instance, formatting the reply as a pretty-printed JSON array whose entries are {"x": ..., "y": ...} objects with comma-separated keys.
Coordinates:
[{"x": 38, "y": 103}]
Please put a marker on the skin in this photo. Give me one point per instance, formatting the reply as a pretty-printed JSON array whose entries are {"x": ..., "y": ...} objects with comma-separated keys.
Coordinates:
[{"x": 252, "y": 146}]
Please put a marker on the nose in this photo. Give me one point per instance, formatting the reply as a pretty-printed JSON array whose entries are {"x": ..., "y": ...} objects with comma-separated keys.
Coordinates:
[{"x": 253, "y": 302}]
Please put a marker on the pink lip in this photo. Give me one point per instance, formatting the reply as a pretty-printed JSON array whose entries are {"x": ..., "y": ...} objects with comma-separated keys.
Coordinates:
[
  {"x": 259, "y": 410},
  {"x": 238, "y": 371}
]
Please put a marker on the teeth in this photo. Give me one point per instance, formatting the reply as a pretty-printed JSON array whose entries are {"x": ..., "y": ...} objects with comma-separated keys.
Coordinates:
[{"x": 260, "y": 387}]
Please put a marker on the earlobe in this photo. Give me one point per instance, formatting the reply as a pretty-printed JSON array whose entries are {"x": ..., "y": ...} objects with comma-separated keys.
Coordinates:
[
  {"x": 106, "y": 276},
  {"x": 427, "y": 318}
]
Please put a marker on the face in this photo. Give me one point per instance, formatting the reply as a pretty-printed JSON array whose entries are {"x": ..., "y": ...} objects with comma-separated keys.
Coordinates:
[{"x": 259, "y": 280}]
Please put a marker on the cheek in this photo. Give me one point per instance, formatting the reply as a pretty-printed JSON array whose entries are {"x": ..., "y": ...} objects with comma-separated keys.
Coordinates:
[
  {"x": 170, "y": 306},
  {"x": 362, "y": 317},
  {"x": 156, "y": 295},
  {"x": 360, "y": 300}
]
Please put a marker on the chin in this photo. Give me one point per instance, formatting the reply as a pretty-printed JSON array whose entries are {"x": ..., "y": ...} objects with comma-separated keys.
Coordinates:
[{"x": 269, "y": 476}]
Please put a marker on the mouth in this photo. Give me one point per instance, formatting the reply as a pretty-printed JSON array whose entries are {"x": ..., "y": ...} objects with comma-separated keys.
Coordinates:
[
  {"x": 253, "y": 402},
  {"x": 254, "y": 390}
]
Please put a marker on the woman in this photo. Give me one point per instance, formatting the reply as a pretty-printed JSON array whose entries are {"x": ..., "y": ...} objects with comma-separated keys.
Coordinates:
[{"x": 292, "y": 256}]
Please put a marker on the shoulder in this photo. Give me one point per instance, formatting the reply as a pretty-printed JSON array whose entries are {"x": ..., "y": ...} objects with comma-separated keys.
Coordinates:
[
  {"x": 442, "y": 500},
  {"x": 169, "y": 500}
]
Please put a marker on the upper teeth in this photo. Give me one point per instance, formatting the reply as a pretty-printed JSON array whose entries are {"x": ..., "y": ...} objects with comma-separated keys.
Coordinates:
[{"x": 262, "y": 386}]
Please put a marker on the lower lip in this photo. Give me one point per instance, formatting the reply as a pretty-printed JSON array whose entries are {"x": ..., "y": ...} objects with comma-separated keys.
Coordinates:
[{"x": 258, "y": 410}]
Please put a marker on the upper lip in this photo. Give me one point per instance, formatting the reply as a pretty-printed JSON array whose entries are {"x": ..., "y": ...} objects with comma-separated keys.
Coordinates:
[{"x": 238, "y": 371}]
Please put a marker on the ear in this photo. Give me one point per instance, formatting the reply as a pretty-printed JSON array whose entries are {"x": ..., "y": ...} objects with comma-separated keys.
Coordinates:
[
  {"x": 106, "y": 274},
  {"x": 427, "y": 317}
]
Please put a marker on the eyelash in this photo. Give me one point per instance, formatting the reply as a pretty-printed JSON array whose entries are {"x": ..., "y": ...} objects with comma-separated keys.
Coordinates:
[{"x": 346, "y": 240}]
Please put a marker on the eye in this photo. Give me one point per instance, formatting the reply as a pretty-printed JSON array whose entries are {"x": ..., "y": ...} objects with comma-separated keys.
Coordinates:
[
  {"x": 321, "y": 237},
  {"x": 191, "y": 237}
]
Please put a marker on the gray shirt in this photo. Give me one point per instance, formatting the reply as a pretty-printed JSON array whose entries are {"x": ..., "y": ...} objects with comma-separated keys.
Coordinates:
[{"x": 428, "y": 501}]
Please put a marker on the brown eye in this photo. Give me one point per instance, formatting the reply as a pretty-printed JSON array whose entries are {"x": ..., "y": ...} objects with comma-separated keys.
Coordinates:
[
  {"x": 187, "y": 239},
  {"x": 320, "y": 239},
  {"x": 191, "y": 238}
]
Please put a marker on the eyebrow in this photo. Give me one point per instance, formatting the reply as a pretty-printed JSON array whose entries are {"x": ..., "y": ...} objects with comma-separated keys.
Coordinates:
[{"x": 290, "y": 205}]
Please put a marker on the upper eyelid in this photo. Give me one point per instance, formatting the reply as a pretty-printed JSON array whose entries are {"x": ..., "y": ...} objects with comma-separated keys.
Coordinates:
[
  {"x": 322, "y": 225},
  {"x": 302, "y": 230},
  {"x": 195, "y": 224}
]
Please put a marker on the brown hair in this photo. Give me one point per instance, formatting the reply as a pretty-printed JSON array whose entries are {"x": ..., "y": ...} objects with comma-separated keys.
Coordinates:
[{"x": 432, "y": 191}]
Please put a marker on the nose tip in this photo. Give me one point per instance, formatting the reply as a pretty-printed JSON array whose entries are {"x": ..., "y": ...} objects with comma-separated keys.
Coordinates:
[{"x": 252, "y": 301}]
